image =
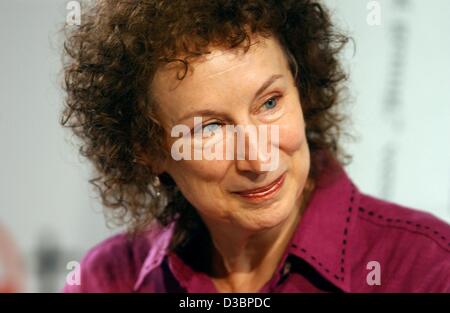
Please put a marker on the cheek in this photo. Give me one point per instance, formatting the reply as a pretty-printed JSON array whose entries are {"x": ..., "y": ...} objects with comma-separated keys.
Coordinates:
[
  {"x": 193, "y": 173},
  {"x": 200, "y": 183},
  {"x": 193, "y": 170},
  {"x": 294, "y": 146},
  {"x": 292, "y": 133}
]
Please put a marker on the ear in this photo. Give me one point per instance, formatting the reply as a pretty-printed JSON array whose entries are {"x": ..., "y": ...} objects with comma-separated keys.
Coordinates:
[
  {"x": 160, "y": 166},
  {"x": 157, "y": 165}
]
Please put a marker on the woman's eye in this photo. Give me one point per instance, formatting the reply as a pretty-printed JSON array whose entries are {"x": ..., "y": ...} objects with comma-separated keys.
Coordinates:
[
  {"x": 271, "y": 103},
  {"x": 209, "y": 129}
]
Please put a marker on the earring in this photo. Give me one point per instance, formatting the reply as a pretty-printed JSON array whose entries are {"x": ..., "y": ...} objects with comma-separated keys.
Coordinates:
[{"x": 156, "y": 185}]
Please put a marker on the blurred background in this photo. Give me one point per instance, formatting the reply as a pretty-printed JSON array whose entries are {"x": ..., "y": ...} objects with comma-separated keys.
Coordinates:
[{"x": 400, "y": 107}]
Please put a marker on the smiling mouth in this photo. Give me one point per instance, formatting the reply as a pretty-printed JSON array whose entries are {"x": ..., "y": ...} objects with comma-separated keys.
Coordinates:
[{"x": 263, "y": 192}]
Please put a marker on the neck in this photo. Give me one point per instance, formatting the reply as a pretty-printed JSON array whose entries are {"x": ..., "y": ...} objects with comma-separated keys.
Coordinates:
[{"x": 243, "y": 250}]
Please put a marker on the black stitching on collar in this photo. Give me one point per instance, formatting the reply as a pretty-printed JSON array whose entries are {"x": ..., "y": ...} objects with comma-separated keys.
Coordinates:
[
  {"x": 424, "y": 229},
  {"x": 345, "y": 236}
]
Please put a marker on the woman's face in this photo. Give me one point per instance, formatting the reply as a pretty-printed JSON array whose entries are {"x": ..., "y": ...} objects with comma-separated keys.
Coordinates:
[{"x": 223, "y": 89}]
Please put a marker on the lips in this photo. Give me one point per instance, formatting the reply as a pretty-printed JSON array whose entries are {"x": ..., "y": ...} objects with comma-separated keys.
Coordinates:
[{"x": 263, "y": 191}]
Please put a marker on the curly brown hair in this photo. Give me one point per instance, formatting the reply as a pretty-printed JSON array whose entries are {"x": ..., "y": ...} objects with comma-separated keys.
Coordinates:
[{"x": 112, "y": 57}]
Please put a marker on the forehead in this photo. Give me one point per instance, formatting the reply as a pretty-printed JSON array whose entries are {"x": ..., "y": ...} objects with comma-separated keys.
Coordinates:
[{"x": 217, "y": 74}]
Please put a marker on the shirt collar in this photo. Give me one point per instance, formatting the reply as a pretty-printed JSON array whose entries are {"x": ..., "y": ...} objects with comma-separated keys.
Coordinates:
[
  {"x": 321, "y": 239},
  {"x": 324, "y": 231},
  {"x": 159, "y": 239}
]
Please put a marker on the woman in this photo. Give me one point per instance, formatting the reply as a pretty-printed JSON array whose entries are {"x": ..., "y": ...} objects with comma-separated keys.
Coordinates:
[{"x": 138, "y": 70}]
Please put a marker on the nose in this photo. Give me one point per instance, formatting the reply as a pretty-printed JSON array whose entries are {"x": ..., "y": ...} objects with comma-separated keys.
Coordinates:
[{"x": 251, "y": 154}]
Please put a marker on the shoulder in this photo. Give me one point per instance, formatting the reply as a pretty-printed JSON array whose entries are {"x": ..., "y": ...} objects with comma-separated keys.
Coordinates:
[
  {"x": 412, "y": 247},
  {"x": 113, "y": 265}
]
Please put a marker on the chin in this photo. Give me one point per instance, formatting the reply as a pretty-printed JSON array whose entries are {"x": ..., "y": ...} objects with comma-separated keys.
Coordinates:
[{"x": 266, "y": 218}]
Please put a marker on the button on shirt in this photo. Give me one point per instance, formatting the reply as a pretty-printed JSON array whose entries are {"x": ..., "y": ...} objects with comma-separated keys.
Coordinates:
[{"x": 346, "y": 241}]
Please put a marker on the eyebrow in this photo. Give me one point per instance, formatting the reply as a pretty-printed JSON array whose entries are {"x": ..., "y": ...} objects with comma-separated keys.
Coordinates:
[{"x": 208, "y": 112}]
